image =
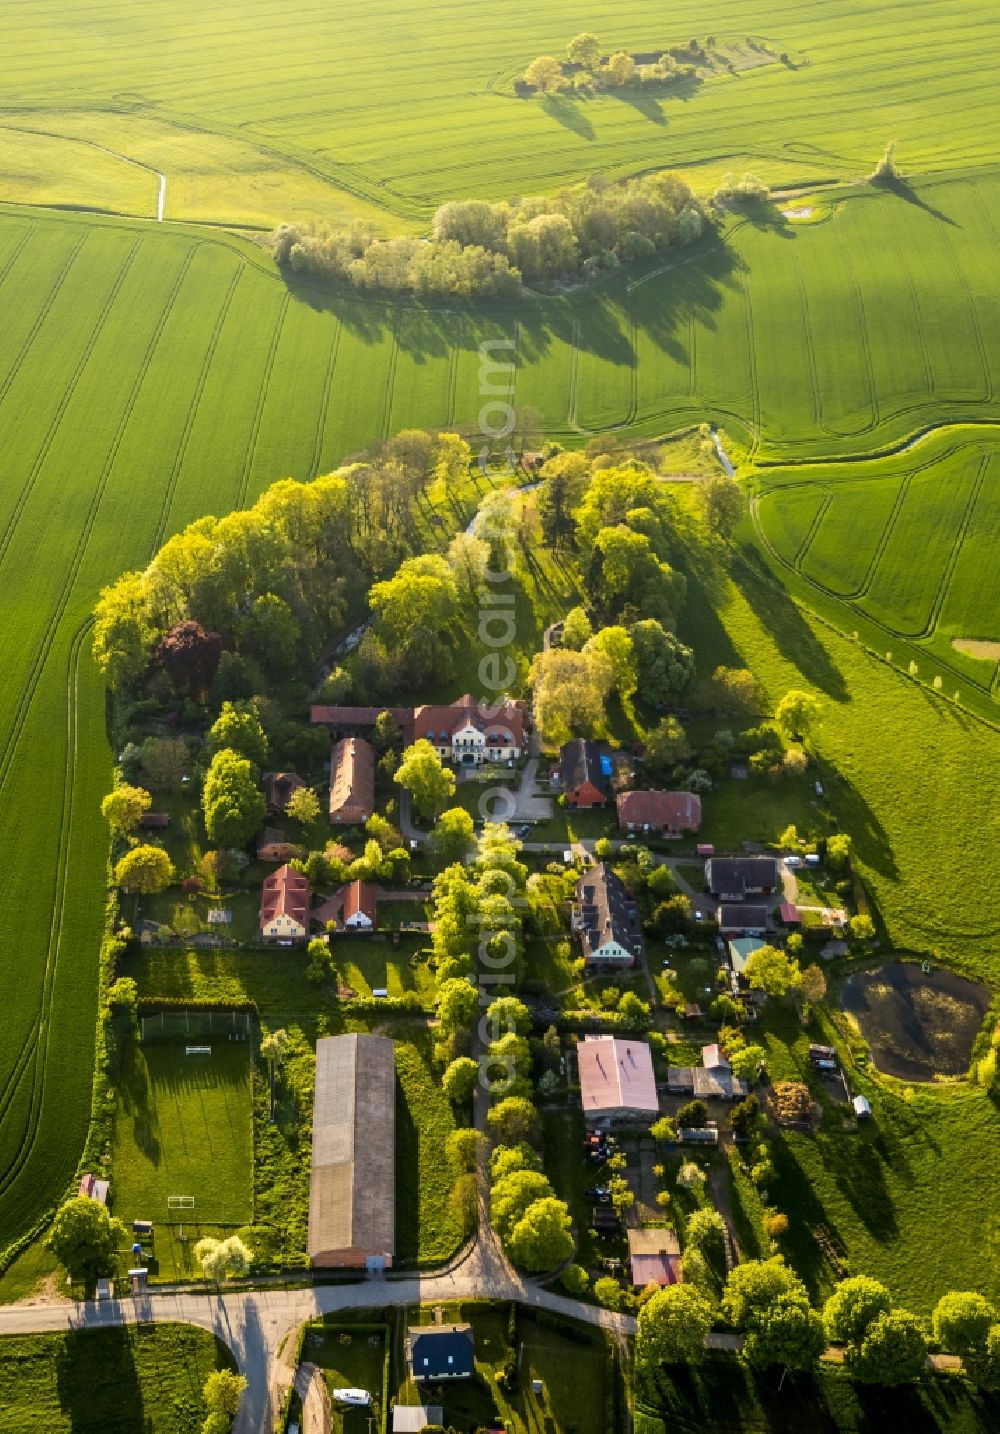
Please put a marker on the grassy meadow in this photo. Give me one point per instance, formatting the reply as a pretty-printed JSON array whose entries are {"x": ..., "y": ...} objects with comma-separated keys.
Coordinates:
[{"x": 150, "y": 1379}]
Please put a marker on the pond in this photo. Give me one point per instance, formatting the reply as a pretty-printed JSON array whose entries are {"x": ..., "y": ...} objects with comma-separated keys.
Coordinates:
[{"x": 918, "y": 1024}]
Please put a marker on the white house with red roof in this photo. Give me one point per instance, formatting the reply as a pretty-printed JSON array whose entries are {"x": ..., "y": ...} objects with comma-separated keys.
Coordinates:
[{"x": 284, "y": 906}]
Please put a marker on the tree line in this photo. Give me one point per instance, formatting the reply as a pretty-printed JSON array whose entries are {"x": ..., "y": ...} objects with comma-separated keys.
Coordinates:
[
  {"x": 768, "y": 1305},
  {"x": 481, "y": 248}
]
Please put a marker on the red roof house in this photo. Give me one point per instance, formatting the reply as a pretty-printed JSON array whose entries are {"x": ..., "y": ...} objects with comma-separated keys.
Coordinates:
[
  {"x": 668, "y": 813},
  {"x": 284, "y": 907},
  {"x": 469, "y": 732},
  {"x": 360, "y": 906}
]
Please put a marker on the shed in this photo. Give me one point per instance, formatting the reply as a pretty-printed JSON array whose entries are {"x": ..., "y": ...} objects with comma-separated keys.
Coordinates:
[
  {"x": 155, "y": 821},
  {"x": 654, "y": 1257},
  {"x": 413, "y": 1417},
  {"x": 862, "y": 1109},
  {"x": 789, "y": 914}
]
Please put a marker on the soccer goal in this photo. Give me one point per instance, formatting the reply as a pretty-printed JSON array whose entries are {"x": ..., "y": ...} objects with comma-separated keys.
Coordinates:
[{"x": 182, "y": 1206}]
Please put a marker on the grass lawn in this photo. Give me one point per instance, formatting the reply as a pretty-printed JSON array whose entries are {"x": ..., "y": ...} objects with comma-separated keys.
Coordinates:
[
  {"x": 351, "y": 1356},
  {"x": 108, "y": 1381},
  {"x": 365, "y": 965},
  {"x": 183, "y": 1126},
  {"x": 563, "y": 1130},
  {"x": 724, "y": 1397},
  {"x": 758, "y": 810},
  {"x": 428, "y": 1229}
]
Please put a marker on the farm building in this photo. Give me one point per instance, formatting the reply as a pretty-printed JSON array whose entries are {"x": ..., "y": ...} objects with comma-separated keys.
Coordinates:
[
  {"x": 654, "y": 1257},
  {"x": 734, "y": 878},
  {"x": 469, "y": 732},
  {"x": 284, "y": 907},
  {"x": 352, "y": 782},
  {"x": 616, "y": 1079},
  {"x": 584, "y": 773},
  {"x": 278, "y": 788},
  {"x": 666, "y": 813},
  {"x": 411, "y": 1418},
  {"x": 352, "y": 721},
  {"x": 360, "y": 906},
  {"x": 605, "y": 919},
  {"x": 712, "y": 1080},
  {"x": 735, "y": 921},
  {"x": 352, "y": 1205},
  {"x": 436, "y": 1352},
  {"x": 273, "y": 845}
]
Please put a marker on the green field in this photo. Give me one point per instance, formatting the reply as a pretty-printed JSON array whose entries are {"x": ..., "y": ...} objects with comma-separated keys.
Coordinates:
[
  {"x": 898, "y": 549},
  {"x": 255, "y": 115},
  {"x": 149, "y": 1378},
  {"x": 183, "y": 1127}
]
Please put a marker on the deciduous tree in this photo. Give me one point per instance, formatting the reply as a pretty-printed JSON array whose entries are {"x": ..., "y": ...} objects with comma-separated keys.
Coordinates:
[
  {"x": 233, "y": 804},
  {"x": 303, "y": 806},
  {"x": 145, "y": 869},
  {"x": 422, "y": 773},
  {"x": 123, "y": 808},
  {"x": 772, "y": 971},
  {"x": 85, "y": 1239},
  {"x": 673, "y": 1327},
  {"x": 239, "y": 728}
]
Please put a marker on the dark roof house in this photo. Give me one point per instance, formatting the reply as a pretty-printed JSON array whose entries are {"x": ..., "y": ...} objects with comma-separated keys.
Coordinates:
[
  {"x": 441, "y": 1351},
  {"x": 584, "y": 773},
  {"x": 278, "y": 787},
  {"x": 605, "y": 919},
  {"x": 737, "y": 920},
  {"x": 734, "y": 878}
]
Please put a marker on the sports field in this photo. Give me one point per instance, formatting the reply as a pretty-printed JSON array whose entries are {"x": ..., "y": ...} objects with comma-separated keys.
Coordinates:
[
  {"x": 256, "y": 114},
  {"x": 151, "y": 374},
  {"x": 183, "y": 1126}
]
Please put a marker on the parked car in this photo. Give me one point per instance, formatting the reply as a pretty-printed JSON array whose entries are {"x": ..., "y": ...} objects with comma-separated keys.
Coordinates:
[{"x": 598, "y": 1192}]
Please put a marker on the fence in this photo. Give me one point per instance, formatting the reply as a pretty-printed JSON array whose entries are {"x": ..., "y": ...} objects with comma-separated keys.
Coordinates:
[{"x": 188, "y": 1022}]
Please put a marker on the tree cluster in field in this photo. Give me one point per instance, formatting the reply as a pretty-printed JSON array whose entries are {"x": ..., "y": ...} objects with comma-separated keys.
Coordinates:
[
  {"x": 585, "y": 71},
  {"x": 768, "y": 1305},
  {"x": 234, "y": 607},
  {"x": 479, "y": 248}
]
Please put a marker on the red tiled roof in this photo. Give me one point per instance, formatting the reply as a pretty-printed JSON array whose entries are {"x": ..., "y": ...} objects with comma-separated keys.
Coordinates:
[
  {"x": 677, "y": 810},
  {"x": 504, "y": 721},
  {"x": 360, "y": 897},
  {"x": 285, "y": 893},
  {"x": 352, "y": 777}
]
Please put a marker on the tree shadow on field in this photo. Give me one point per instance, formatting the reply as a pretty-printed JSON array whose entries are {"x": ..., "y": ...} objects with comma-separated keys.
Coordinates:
[
  {"x": 136, "y": 1096},
  {"x": 868, "y": 836},
  {"x": 646, "y": 104},
  {"x": 904, "y": 191},
  {"x": 784, "y": 621},
  {"x": 569, "y": 114},
  {"x": 85, "y": 1396}
]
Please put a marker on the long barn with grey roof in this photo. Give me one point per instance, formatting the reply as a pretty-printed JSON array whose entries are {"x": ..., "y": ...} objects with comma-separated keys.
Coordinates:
[{"x": 352, "y": 1188}]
